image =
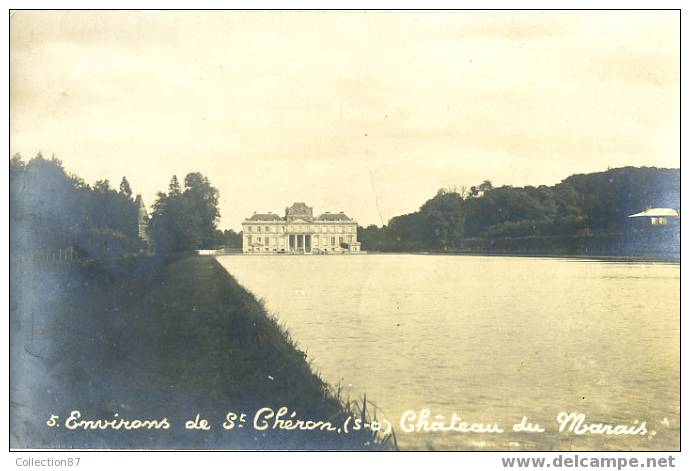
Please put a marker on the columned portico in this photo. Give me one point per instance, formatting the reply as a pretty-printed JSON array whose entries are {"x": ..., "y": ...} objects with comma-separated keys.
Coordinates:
[{"x": 299, "y": 243}]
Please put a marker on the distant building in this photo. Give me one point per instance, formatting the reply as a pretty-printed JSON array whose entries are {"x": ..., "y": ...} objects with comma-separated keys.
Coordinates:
[
  {"x": 657, "y": 216},
  {"x": 299, "y": 232},
  {"x": 142, "y": 219}
]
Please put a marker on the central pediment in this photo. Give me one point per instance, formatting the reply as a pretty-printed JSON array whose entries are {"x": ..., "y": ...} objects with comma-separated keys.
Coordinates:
[
  {"x": 299, "y": 221},
  {"x": 298, "y": 211}
]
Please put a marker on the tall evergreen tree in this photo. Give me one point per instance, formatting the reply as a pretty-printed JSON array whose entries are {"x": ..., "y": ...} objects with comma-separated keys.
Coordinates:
[
  {"x": 174, "y": 187},
  {"x": 125, "y": 189}
]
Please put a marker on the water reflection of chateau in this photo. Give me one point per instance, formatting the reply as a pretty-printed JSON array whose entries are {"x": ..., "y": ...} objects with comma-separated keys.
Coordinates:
[{"x": 299, "y": 232}]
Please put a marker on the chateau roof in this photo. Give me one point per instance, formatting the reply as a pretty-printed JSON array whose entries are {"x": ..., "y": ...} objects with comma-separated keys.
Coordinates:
[
  {"x": 265, "y": 217},
  {"x": 299, "y": 207},
  {"x": 334, "y": 217},
  {"x": 655, "y": 213},
  {"x": 300, "y": 212}
]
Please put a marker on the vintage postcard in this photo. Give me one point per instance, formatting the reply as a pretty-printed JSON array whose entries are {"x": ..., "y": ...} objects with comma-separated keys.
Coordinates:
[{"x": 345, "y": 230}]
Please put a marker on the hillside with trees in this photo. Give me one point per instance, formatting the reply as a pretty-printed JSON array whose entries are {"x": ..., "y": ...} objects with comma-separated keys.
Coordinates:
[
  {"x": 586, "y": 213},
  {"x": 53, "y": 213}
]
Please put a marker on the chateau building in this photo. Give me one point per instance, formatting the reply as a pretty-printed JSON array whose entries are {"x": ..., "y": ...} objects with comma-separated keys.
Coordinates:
[{"x": 299, "y": 232}]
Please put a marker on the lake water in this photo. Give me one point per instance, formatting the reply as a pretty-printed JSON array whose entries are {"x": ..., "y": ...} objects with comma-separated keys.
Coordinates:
[{"x": 491, "y": 339}]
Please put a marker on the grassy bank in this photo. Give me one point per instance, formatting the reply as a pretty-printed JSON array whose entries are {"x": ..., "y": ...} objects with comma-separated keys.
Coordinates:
[{"x": 157, "y": 339}]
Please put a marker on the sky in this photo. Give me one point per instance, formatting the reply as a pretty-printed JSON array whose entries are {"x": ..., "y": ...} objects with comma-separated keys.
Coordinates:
[{"x": 369, "y": 113}]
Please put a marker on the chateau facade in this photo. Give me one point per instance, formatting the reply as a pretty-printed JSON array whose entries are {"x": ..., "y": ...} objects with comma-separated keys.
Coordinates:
[{"x": 299, "y": 232}]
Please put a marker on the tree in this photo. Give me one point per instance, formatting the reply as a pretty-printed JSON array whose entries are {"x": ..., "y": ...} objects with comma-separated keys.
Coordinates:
[
  {"x": 125, "y": 189},
  {"x": 407, "y": 232},
  {"x": 444, "y": 216},
  {"x": 17, "y": 166},
  {"x": 174, "y": 226},
  {"x": 203, "y": 199},
  {"x": 102, "y": 186},
  {"x": 485, "y": 186},
  {"x": 174, "y": 187},
  {"x": 462, "y": 191},
  {"x": 231, "y": 239},
  {"x": 186, "y": 220},
  {"x": 372, "y": 237}
]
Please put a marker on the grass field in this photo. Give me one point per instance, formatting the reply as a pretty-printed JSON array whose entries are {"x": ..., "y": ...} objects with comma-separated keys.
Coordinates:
[{"x": 157, "y": 339}]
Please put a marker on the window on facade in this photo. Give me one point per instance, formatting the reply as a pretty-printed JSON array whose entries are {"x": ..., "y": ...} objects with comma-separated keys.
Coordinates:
[
  {"x": 258, "y": 228},
  {"x": 268, "y": 229},
  {"x": 249, "y": 239},
  {"x": 332, "y": 240},
  {"x": 249, "y": 228}
]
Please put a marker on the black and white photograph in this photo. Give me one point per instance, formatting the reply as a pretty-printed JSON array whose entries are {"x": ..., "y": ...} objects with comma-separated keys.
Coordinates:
[{"x": 345, "y": 230}]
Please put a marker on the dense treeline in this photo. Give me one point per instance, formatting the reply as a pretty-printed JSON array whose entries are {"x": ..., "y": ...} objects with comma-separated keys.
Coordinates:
[
  {"x": 229, "y": 239},
  {"x": 581, "y": 206},
  {"x": 53, "y": 212}
]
